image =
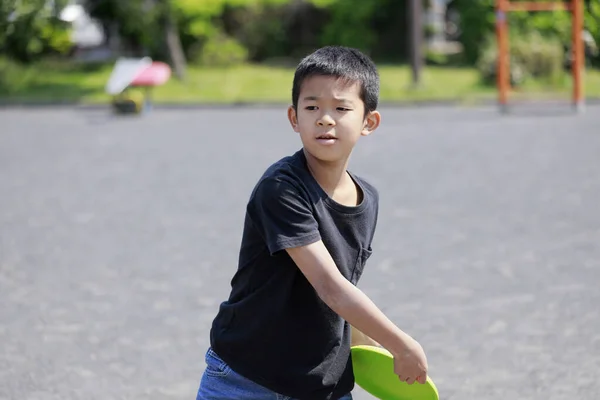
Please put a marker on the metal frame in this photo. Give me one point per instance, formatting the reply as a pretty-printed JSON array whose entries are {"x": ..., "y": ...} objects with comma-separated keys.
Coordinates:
[{"x": 503, "y": 7}]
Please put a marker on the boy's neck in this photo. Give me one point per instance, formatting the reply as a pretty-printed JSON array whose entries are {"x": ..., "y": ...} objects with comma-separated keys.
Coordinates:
[{"x": 329, "y": 175}]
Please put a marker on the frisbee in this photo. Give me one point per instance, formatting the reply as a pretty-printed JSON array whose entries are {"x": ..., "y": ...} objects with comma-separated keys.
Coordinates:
[{"x": 374, "y": 372}]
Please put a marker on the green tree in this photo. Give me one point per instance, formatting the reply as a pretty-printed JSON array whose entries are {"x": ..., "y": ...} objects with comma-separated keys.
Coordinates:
[{"x": 31, "y": 29}]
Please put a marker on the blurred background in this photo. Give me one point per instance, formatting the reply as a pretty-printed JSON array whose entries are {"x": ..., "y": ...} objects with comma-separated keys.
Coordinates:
[
  {"x": 224, "y": 51},
  {"x": 119, "y": 236}
]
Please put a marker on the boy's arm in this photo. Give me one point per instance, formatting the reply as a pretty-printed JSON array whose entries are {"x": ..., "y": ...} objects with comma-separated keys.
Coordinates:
[
  {"x": 343, "y": 297},
  {"x": 354, "y": 306},
  {"x": 359, "y": 338}
]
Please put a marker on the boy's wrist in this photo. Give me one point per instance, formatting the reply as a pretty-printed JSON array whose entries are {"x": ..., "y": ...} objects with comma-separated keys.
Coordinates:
[{"x": 401, "y": 343}]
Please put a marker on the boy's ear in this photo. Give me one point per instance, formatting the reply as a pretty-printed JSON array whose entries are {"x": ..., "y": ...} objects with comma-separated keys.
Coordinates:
[
  {"x": 293, "y": 117},
  {"x": 372, "y": 121}
]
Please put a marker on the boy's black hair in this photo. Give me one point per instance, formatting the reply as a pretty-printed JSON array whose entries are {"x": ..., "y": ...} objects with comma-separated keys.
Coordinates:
[{"x": 342, "y": 62}]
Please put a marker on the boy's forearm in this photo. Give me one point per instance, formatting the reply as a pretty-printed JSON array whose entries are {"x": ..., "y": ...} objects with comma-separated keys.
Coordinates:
[
  {"x": 355, "y": 307},
  {"x": 345, "y": 299},
  {"x": 359, "y": 338}
]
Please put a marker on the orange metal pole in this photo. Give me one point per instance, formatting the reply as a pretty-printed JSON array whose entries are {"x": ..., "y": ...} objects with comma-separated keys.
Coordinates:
[
  {"x": 538, "y": 6},
  {"x": 578, "y": 55},
  {"x": 503, "y": 67}
]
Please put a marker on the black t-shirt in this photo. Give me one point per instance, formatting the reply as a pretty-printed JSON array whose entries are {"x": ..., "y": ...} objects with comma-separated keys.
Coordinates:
[{"x": 274, "y": 329}]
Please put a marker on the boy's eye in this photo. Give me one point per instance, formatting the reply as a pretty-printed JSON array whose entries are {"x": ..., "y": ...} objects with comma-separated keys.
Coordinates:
[
  {"x": 343, "y": 109},
  {"x": 311, "y": 108}
]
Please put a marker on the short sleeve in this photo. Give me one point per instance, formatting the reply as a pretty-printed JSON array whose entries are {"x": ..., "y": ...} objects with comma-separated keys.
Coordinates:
[{"x": 282, "y": 215}]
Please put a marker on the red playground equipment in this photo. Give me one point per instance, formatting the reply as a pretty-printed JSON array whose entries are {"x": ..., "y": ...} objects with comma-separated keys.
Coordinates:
[
  {"x": 130, "y": 74},
  {"x": 503, "y": 76}
]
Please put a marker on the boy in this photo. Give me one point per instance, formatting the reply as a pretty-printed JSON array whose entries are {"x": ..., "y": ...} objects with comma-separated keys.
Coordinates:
[{"x": 285, "y": 332}]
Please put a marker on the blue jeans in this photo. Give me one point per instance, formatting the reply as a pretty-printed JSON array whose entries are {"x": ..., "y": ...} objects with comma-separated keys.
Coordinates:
[{"x": 220, "y": 382}]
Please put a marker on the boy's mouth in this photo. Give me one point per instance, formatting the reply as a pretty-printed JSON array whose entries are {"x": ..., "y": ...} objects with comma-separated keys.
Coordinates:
[
  {"x": 327, "y": 139},
  {"x": 326, "y": 136}
]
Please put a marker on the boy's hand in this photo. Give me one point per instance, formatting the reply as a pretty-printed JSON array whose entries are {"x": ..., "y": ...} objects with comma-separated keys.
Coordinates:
[{"x": 410, "y": 364}]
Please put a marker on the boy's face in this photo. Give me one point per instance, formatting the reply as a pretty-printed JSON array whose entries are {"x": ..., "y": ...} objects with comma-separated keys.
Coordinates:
[{"x": 330, "y": 117}]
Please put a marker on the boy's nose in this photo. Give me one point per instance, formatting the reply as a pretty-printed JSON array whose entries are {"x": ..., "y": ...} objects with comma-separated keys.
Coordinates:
[{"x": 325, "y": 120}]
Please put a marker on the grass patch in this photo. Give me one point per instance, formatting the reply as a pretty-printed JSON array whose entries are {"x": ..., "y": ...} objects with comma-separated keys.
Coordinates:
[
  {"x": 53, "y": 82},
  {"x": 60, "y": 82}
]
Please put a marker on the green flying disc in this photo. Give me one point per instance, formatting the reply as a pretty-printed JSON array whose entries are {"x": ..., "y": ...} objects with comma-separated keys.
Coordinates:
[{"x": 374, "y": 372}]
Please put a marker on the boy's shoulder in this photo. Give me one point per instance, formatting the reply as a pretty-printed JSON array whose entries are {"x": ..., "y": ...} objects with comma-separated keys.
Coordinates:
[
  {"x": 290, "y": 174},
  {"x": 366, "y": 185},
  {"x": 289, "y": 166},
  {"x": 289, "y": 171}
]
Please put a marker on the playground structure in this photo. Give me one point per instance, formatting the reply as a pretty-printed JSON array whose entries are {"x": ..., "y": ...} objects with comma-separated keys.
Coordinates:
[
  {"x": 129, "y": 76},
  {"x": 503, "y": 7}
]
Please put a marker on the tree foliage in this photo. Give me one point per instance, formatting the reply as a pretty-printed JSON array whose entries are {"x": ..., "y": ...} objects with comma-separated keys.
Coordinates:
[
  {"x": 225, "y": 31},
  {"x": 30, "y": 29}
]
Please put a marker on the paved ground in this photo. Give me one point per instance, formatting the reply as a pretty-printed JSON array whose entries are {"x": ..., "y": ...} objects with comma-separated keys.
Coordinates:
[{"x": 118, "y": 237}]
